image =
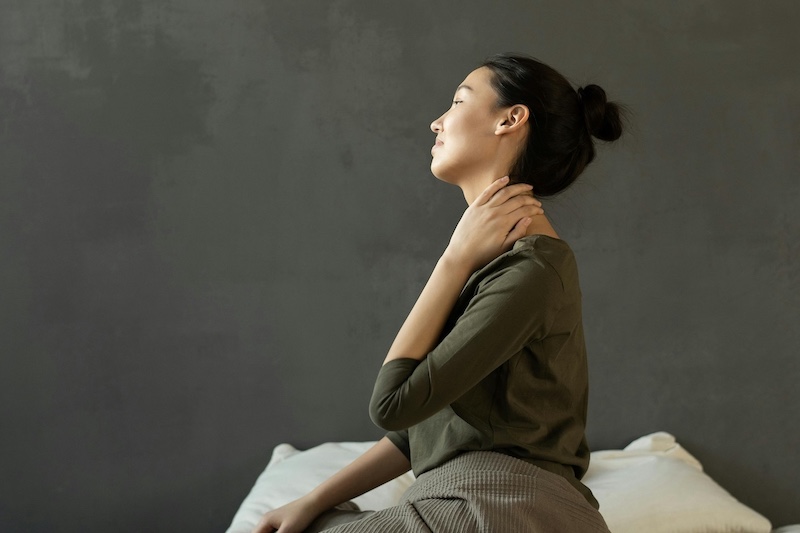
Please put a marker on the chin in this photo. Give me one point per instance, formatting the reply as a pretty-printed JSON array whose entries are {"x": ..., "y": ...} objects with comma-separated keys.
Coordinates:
[{"x": 441, "y": 173}]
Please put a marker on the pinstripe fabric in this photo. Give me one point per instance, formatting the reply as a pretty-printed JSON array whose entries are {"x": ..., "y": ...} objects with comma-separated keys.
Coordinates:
[{"x": 484, "y": 492}]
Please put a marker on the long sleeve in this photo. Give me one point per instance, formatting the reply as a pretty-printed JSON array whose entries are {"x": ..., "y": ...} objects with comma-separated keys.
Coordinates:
[{"x": 512, "y": 307}]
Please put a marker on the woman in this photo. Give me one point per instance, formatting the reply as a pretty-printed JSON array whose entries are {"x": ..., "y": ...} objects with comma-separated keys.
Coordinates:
[{"x": 484, "y": 390}]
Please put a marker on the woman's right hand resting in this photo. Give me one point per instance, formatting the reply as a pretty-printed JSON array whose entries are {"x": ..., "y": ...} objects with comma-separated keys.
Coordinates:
[
  {"x": 492, "y": 223},
  {"x": 294, "y": 517}
]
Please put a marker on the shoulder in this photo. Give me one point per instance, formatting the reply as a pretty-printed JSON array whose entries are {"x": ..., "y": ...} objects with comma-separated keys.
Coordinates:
[
  {"x": 556, "y": 252},
  {"x": 534, "y": 262}
]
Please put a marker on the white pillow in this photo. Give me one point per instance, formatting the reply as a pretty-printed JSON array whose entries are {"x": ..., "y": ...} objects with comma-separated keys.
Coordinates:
[
  {"x": 291, "y": 474},
  {"x": 653, "y": 486}
]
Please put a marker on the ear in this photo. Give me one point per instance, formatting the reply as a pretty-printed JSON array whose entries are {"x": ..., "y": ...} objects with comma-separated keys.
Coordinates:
[{"x": 513, "y": 119}]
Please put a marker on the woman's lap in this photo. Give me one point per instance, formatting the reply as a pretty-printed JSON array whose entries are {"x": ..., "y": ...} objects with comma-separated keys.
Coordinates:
[
  {"x": 339, "y": 515},
  {"x": 476, "y": 492}
]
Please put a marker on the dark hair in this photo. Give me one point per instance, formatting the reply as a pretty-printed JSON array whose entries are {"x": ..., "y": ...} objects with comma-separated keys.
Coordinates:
[{"x": 563, "y": 121}]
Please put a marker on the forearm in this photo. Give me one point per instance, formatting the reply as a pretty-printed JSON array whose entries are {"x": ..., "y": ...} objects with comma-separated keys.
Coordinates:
[
  {"x": 378, "y": 465},
  {"x": 422, "y": 327},
  {"x": 488, "y": 228}
]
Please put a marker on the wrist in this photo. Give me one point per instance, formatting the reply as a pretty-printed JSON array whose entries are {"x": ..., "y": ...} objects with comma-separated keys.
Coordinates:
[
  {"x": 455, "y": 264},
  {"x": 316, "y": 502}
]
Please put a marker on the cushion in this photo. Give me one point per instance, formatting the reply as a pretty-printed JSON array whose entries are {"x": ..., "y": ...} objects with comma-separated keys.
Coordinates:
[
  {"x": 655, "y": 485},
  {"x": 652, "y": 485}
]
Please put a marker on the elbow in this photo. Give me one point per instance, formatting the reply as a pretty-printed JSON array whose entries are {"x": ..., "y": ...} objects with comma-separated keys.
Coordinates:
[
  {"x": 386, "y": 416},
  {"x": 394, "y": 404}
]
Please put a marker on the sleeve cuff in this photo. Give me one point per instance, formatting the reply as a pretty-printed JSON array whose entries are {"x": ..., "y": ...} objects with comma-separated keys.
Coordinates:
[{"x": 400, "y": 439}]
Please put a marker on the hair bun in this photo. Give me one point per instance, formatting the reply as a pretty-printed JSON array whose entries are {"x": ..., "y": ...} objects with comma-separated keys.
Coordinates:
[{"x": 602, "y": 117}]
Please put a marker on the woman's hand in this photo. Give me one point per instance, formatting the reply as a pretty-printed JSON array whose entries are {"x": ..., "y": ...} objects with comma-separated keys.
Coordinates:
[
  {"x": 489, "y": 227},
  {"x": 293, "y": 517}
]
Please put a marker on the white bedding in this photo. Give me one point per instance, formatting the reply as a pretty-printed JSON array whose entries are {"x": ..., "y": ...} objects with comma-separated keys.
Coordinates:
[{"x": 654, "y": 485}]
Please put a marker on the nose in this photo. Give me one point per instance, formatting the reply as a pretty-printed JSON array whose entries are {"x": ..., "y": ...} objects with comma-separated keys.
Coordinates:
[{"x": 436, "y": 125}]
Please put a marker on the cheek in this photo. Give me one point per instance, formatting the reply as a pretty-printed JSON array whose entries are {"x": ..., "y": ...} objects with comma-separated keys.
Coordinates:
[
  {"x": 466, "y": 145},
  {"x": 458, "y": 132},
  {"x": 473, "y": 126}
]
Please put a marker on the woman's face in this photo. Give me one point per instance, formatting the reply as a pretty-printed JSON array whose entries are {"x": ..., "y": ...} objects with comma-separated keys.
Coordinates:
[{"x": 466, "y": 139}]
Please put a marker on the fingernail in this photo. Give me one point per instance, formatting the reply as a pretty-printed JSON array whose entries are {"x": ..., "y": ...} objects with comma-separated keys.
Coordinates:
[{"x": 504, "y": 178}]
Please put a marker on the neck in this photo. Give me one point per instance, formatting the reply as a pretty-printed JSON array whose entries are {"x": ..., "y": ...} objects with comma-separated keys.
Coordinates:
[
  {"x": 540, "y": 225},
  {"x": 474, "y": 184},
  {"x": 494, "y": 168},
  {"x": 472, "y": 188}
]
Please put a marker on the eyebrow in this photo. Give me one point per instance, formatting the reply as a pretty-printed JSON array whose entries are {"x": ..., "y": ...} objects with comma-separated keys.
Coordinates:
[{"x": 464, "y": 87}]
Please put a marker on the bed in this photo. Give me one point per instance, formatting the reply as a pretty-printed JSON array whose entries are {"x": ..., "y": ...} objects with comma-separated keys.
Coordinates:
[{"x": 652, "y": 485}]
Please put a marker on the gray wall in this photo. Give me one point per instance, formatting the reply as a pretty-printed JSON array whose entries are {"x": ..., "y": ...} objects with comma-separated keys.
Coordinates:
[{"x": 214, "y": 217}]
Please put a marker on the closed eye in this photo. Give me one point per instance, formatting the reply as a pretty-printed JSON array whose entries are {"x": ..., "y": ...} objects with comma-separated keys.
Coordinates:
[{"x": 456, "y": 102}]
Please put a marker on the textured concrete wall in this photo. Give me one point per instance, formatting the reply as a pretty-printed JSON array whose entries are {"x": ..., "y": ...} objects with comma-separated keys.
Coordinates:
[{"x": 214, "y": 217}]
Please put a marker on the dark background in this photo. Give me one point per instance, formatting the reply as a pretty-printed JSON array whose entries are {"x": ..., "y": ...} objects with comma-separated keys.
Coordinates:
[{"x": 214, "y": 217}]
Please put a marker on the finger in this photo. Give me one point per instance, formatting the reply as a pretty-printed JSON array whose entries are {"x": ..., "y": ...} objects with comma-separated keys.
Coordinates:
[
  {"x": 511, "y": 191},
  {"x": 490, "y": 191},
  {"x": 518, "y": 201},
  {"x": 264, "y": 526},
  {"x": 529, "y": 211},
  {"x": 517, "y": 232}
]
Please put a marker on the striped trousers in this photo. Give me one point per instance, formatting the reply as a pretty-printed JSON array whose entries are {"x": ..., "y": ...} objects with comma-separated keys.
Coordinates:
[{"x": 480, "y": 492}]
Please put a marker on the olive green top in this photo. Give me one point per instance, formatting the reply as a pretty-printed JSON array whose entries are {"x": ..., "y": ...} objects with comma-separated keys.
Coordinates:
[{"x": 508, "y": 373}]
